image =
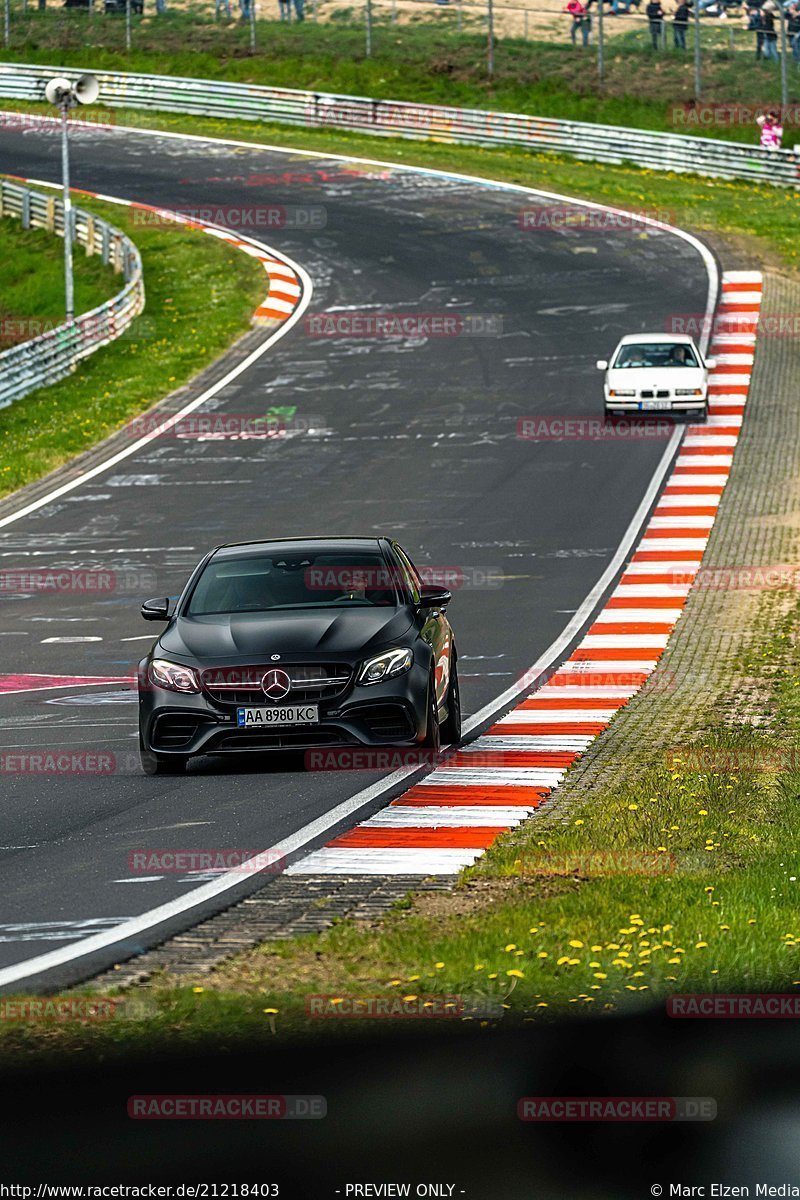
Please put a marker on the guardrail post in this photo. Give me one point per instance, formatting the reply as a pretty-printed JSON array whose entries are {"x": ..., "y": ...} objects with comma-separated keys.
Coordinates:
[
  {"x": 25, "y": 217},
  {"x": 600, "y": 42},
  {"x": 251, "y": 12},
  {"x": 116, "y": 254},
  {"x": 50, "y": 217},
  {"x": 2, "y": 197},
  {"x": 106, "y": 243},
  {"x": 90, "y": 235},
  {"x": 784, "y": 61}
]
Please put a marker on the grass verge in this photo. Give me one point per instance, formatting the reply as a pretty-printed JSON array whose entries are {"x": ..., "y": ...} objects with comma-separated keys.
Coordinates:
[
  {"x": 428, "y": 63},
  {"x": 201, "y": 294},
  {"x": 32, "y": 282}
]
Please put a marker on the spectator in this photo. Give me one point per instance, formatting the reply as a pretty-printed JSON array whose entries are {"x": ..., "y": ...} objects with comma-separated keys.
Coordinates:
[
  {"x": 771, "y": 130},
  {"x": 770, "y": 33},
  {"x": 244, "y": 6},
  {"x": 655, "y": 17},
  {"x": 580, "y": 20},
  {"x": 299, "y": 10},
  {"x": 285, "y": 9},
  {"x": 680, "y": 23},
  {"x": 222, "y": 6},
  {"x": 754, "y": 24},
  {"x": 793, "y": 30}
]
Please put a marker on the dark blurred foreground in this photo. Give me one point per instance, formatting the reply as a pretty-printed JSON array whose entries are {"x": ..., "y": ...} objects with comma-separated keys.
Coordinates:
[{"x": 425, "y": 1107}]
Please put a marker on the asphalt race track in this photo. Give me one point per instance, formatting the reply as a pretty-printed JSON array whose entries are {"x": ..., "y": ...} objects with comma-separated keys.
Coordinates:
[{"x": 415, "y": 437}]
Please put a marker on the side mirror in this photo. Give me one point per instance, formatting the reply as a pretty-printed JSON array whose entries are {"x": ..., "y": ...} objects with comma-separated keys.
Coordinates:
[
  {"x": 602, "y": 364},
  {"x": 711, "y": 363},
  {"x": 156, "y": 610},
  {"x": 433, "y": 596}
]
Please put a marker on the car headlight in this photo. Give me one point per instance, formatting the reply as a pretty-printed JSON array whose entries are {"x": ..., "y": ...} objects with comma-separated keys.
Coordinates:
[
  {"x": 173, "y": 677},
  {"x": 621, "y": 392},
  {"x": 688, "y": 391},
  {"x": 385, "y": 666}
]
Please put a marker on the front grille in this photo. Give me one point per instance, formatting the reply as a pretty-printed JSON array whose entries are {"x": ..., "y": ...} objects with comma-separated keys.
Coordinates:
[
  {"x": 385, "y": 721},
  {"x": 651, "y": 395},
  {"x": 288, "y": 739},
  {"x": 173, "y": 731},
  {"x": 309, "y": 682},
  {"x": 664, "y": 395}
]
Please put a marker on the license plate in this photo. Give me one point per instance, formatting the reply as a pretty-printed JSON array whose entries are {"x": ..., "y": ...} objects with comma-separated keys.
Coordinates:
[
  {"x": 284, "y": 714},
  {"x": 656, "y": 404}
]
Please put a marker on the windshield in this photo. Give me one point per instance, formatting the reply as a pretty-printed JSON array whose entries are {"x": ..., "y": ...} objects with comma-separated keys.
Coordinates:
[
  {"x": 656, "y": 354},
  {"x": 260, "y": 583}
]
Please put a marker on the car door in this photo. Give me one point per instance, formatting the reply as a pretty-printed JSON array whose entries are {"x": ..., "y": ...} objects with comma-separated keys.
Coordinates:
[{"x": 435, "y": 626}]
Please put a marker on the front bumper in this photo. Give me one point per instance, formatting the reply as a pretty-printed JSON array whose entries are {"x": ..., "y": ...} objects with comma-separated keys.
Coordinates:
[{"x": 393, "y": 713}]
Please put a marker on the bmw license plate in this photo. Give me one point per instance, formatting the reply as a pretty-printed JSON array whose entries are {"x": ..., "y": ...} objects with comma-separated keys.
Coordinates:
[
  {"x": 656, "y": 404},
  {"x": 282, "y": 714}
]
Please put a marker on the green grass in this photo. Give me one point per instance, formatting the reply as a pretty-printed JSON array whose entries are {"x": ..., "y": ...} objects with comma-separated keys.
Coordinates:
[
  {"x": 201, "y": 294},
  {"x": 32, "y": 281},
  {"x": 425, "y": 63}
]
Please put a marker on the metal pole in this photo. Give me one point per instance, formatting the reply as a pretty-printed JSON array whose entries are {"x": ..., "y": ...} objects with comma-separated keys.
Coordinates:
[
  {"x": 698, "y": 85},
  {"x": 6, "y": 20},
  {"x": 394, "y": 12},
  {"x": 526, "y": 24},
  {"x": 490, "y": 46},
  {"x": 252, "y": 15},
  {"x": 127, "y": 24},
  {"x": 601, "y": 66},
  {"x": 784, "y": 63},
  {"x": 70, "y": 300},
  {"x": 368, "y": 17},
  {"x": 458, "y": 20}
]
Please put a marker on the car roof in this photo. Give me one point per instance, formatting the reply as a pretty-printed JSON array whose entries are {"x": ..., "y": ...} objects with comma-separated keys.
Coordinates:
[
  {"x": 302, "y": 545},
  {"x": 672, "y": 338}
]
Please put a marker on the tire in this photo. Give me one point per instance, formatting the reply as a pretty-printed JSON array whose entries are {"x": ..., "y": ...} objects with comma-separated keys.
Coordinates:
[
  {"x": 433, "y": 734},
  {"x": 450, "y": 729},
  {"x": 161, "y": 764}
]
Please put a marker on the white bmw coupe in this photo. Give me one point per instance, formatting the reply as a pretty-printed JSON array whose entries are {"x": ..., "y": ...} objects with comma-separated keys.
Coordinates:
[{"x": 651, "y": 372}]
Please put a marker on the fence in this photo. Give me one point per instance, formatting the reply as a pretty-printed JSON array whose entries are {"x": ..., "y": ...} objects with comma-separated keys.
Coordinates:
[
  {"x": 517, "y": 18},
  {"x": 55, "y": 354},
  {"x": 392, "y": 118}
]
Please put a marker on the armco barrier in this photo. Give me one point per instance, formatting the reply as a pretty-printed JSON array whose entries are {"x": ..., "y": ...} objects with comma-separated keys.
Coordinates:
[
  {"x": 53, "y": 355},
  {"x": 393, "y": 118}
]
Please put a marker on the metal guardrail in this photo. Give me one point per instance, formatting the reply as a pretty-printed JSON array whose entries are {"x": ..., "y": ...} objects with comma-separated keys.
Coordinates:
[
  {"x": 393, "y": 118},
  {"x": 55, "y": 353}
]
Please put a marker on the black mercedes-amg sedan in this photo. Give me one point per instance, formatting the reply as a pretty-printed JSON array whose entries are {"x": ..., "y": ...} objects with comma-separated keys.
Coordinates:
[{"x": 297, "y": 644}]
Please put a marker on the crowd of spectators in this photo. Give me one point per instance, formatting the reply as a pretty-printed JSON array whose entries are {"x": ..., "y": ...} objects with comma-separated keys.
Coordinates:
[{"x": 761, "y": 17}]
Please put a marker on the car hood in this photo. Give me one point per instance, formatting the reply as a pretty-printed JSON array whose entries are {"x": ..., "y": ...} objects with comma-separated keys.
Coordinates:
[
  {"x": 647, "y": 377},
  {"x": 256, "y": 636}
]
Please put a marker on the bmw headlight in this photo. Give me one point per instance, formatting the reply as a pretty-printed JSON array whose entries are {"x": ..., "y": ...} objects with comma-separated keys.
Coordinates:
[
  {"x": 621, "y": 392},
  {"x": 688, "y": 391},
  {"x": 173, "y": 677},
  {"x": 385, "y": 666}
]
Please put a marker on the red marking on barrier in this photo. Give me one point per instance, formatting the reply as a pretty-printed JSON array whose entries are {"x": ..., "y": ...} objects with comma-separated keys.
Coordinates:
[
  {"x": 462, "y": 837},
  {"x": 440, "y": 795}
]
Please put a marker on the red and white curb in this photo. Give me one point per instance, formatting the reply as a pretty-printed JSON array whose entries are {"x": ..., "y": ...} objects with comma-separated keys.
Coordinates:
[
  {"x": 447, "y": 820},
  {"x": 285, "y": 286}
]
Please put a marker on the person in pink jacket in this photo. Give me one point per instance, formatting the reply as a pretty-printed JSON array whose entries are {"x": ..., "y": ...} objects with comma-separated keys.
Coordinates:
[
  {"x": 771, "y": 130},
  {"x": 580, "y": 20}
]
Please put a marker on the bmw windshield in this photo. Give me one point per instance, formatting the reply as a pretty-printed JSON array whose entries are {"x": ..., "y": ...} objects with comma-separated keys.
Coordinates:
[{"x": 655, "y": 354}]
